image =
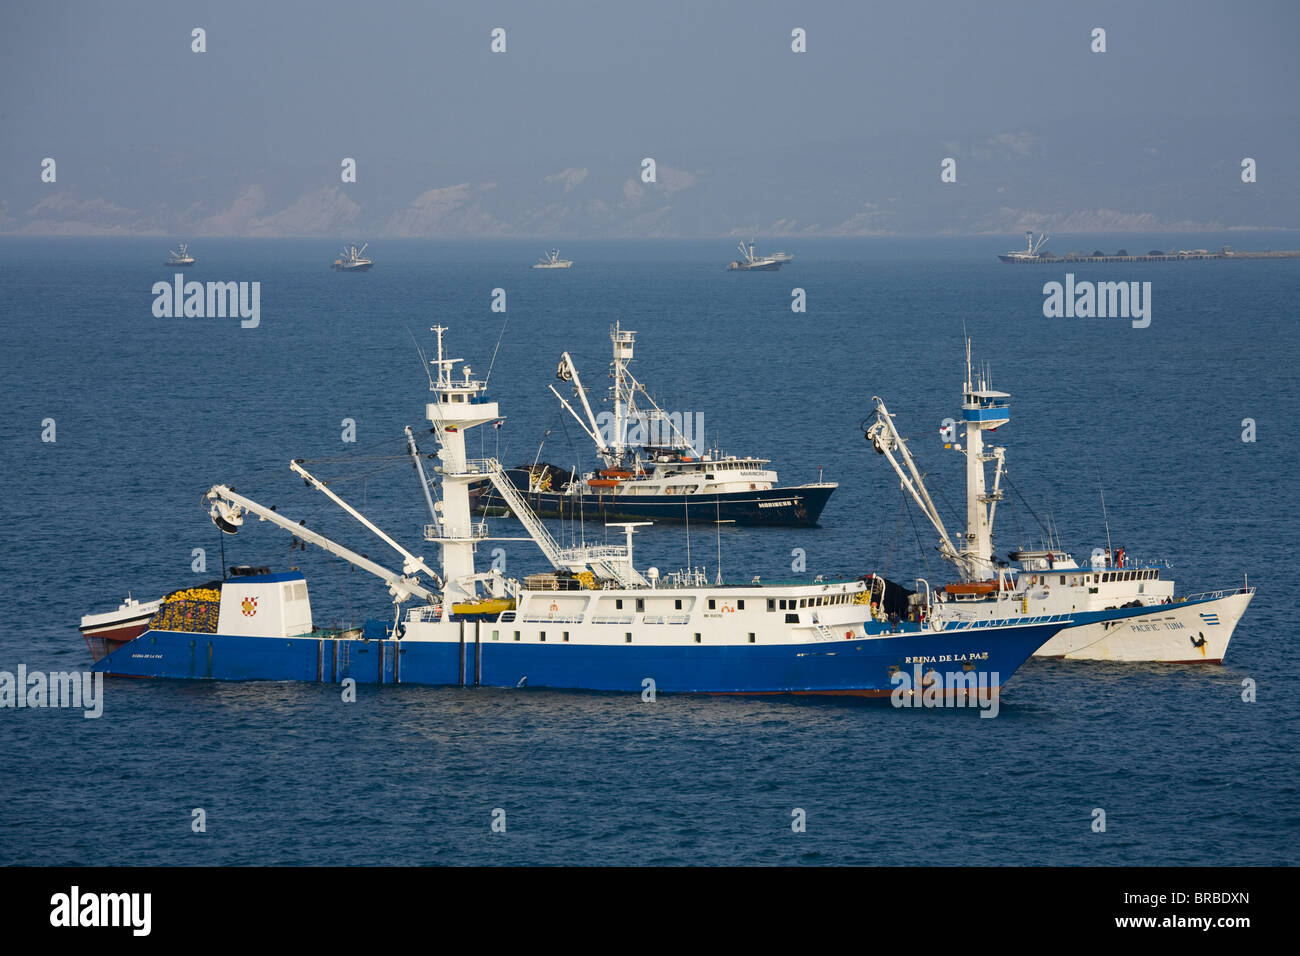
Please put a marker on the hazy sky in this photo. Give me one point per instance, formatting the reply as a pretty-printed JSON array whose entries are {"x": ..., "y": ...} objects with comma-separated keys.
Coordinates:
[{"x": 547, "y": 138}]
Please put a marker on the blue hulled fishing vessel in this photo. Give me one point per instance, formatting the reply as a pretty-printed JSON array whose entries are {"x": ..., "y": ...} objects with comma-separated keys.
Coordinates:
[
  {"x": 650, "y": 468},
  {"x": 593, "y": 621}
]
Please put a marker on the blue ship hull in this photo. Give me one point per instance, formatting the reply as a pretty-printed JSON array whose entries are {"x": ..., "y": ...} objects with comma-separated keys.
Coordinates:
[
  {"x": 776, "y": 507},
  {"x": 861, "y": 666}
]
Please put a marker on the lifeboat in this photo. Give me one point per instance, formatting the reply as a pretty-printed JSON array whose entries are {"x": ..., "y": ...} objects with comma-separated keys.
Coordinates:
[
  {"x": 488, "y": 606},
  {"x": 615, "y": 473},
  {"x": 603, "y": 482},
  {"x": 972, "y": 587}
]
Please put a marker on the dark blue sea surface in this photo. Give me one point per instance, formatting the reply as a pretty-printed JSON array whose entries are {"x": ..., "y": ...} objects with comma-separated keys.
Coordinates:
[{"x": 151, "y": 412}]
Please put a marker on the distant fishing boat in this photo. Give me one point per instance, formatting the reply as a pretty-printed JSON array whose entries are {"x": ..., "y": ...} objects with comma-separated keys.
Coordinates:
[
  {"x": 552, "y": 260},
  {"x": 352, "y": 260},
  {"x": 1032, "y": 251},
  {"x": 749, "y": 261},
  {"x": 180, "y": 257}
]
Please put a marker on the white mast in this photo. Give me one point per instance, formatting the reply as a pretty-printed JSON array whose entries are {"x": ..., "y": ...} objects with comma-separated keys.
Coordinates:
[
  {"x": 452, "y": 411},
  {"x": 623, "y": 341},
  {"x": 982, "y": 409}
]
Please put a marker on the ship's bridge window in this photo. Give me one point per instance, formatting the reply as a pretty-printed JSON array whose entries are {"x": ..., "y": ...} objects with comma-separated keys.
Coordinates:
[
  {"x": 677, "y": 604},
  {"x": 640, "y": 605},
  {"x": 712, "y": 604},
  {"x": 771, "y": 604},
  {"x": 740, "y": 605}
]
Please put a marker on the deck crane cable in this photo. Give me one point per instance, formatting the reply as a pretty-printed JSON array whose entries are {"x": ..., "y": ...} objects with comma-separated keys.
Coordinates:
[
  {"x": 925, "y": 557},
  {"x": 898, "y": 530},
  {"x": 504, "y": 322},
  {"x": 1007, "y": 477}
]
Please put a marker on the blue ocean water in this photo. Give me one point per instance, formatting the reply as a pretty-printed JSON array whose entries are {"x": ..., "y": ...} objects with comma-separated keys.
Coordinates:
[{"x": 150, "y": 412}]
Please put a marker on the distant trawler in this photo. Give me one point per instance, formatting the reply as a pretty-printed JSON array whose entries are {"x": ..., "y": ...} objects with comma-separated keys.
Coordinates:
[
  {"x": 351, "y": 260},
  {"x": 1031, "y": 251},
  {"x": 552, "y": 260},
  {"x": 180, "y": 257},
  {"x": 750, "y": 262}
]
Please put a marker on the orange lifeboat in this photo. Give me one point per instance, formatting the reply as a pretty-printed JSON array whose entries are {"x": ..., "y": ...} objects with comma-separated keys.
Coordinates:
[
  {"x": 615, "y": 473},
  {"x": 972, "y": 587},
  {"x": 603, "y": 482}
]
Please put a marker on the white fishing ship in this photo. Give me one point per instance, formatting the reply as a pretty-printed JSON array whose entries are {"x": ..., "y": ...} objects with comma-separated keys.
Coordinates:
[
  {"x": 180, "y": 258},
  {"x": 750, "y": 261},
  {"x": 1031, "y": 253},
  {"x": 352, "y": 259},
  {"x": 652, "y": 468},
  {"x": 1195, "y": 628},
  {"x": 552, "y": 260}
]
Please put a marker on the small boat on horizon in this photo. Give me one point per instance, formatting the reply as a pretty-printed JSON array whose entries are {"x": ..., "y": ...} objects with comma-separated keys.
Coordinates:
[
  {"x": 353, "y": 259},
  {"x": 180, "y": 257},
  {"x": 552, "y": 260},
  {"x": 1032, "y": 251},
  {"x": 750, "y": 261}
]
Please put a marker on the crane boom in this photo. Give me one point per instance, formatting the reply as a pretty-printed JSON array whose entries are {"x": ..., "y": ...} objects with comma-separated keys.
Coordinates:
[
  {"x": 412, "y": 564},
  {"x": 231, "y": 506},
  {"x": 567, "y": 371},
  {"x": 885, "y": 438}
]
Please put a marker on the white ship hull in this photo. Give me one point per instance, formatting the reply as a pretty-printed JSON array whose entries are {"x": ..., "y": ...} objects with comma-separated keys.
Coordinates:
[{"x": 1194, "y": 632}]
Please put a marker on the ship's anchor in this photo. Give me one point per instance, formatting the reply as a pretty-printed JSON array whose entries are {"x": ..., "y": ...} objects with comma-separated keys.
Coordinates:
[{"x": 1198, "y": 641}]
